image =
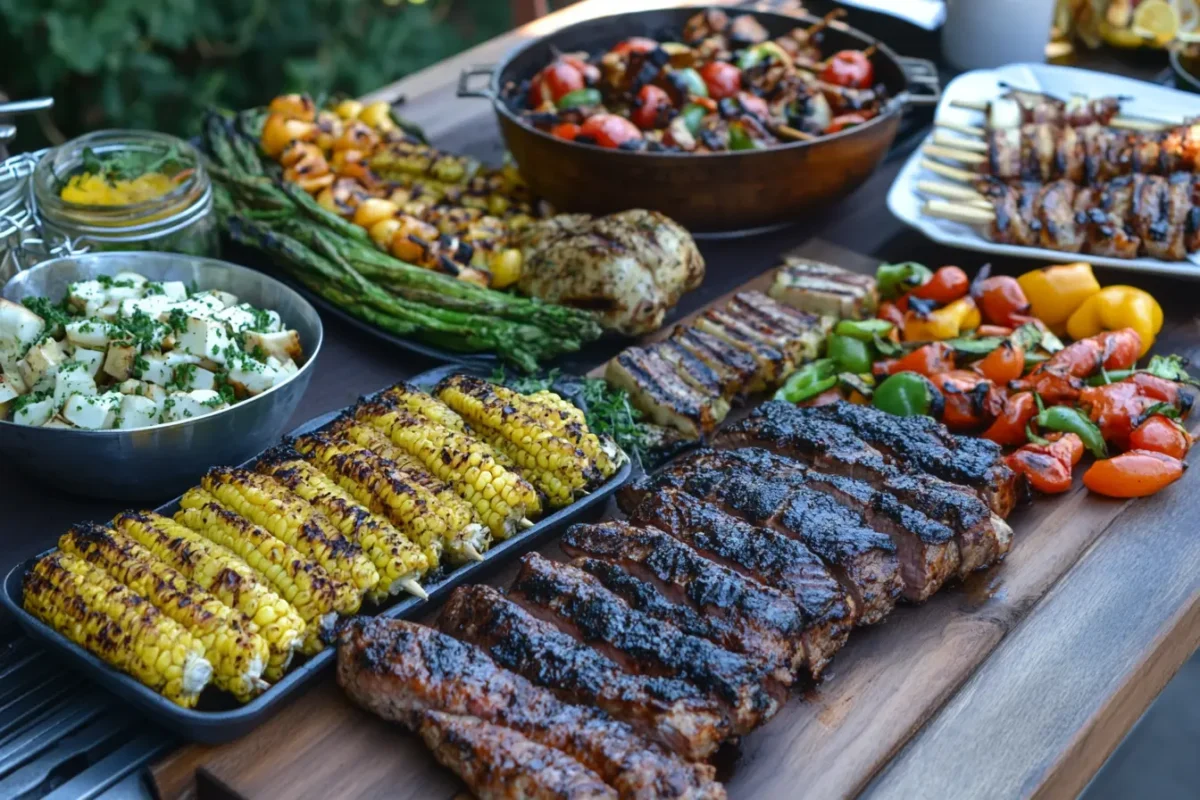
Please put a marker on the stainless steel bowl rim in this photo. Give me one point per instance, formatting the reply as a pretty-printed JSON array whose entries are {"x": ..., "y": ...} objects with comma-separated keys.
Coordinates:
[
  {"x": 894, "y": 105},
  {"x": 309, "y": 358}
]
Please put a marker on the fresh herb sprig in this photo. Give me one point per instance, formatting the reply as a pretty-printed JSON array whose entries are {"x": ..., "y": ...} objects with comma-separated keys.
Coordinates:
[{"x": 126, "y": 165}]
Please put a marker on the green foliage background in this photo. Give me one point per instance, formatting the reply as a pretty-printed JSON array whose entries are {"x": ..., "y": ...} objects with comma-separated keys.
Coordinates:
[{"x": 157, "y": 63}]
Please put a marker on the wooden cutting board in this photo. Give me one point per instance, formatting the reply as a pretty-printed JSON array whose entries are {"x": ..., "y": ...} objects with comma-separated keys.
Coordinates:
[{"x": 889, "y": 681}]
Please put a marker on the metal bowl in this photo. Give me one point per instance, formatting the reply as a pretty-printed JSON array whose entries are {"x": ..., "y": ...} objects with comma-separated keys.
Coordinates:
[{"x": 156, "y": 463}]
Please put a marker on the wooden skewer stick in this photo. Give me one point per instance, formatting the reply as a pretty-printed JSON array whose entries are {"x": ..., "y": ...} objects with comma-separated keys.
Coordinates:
[
  {"x": 969, "y": 130},
  {"x": 961, "y": 156},
  {"x": 412, "y": 587},
  {"x": 971, "y": 105},
  {"x": 952, "y": 191},
  {"x": 956, "y": 212},
  {"x": 959, "y": 143},
  {"x": 947, "y": 171},
  {"x": 525, "y": 524},
  {"x": 471, "y": 552},
  {"x": 1122, "y": 122},
  {"x": 793, "y": 133}
]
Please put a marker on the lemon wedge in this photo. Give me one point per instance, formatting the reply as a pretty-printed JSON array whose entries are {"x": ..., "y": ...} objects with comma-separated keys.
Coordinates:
[{"x": 1157, "y": 20}]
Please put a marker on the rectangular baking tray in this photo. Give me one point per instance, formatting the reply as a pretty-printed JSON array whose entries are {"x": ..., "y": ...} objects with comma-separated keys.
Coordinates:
[
  {"x": 1138, "y": 99},
  {"x": 218, "y": 717}
]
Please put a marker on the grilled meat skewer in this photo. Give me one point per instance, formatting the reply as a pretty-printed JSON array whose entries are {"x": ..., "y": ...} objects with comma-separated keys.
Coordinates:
[
  {"x": 763, "y": 555},
  {"x": 576, "y": 602},
  {"x": 667, "y": 710},
  {"x": 1019, "y": 107},
  {"x": 769, "y": 623},
  {"x": 398, "y": 670}
]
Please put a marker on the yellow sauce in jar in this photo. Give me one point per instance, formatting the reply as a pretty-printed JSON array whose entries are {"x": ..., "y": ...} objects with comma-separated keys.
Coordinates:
[{"x": 95, "y": 190}]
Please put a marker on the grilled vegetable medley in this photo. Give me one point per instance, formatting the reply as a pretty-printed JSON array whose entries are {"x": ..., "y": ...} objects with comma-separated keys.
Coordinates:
[
  {"x": 125, "y": 352},
  {"x": 259, "y": 563},
  {"x": 722, "y": 85}
]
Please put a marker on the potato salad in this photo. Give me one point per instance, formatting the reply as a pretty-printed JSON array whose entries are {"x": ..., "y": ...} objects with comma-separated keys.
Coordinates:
[{"x": 124, "y": 352}]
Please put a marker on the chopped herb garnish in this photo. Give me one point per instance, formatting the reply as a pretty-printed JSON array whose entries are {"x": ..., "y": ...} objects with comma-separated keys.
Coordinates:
[
  {"x": 127, "y": 164},
  {"x": 140, "y": 366},
  {"x": 56, "y": 315},
  {"x": 154, "y": 289}
]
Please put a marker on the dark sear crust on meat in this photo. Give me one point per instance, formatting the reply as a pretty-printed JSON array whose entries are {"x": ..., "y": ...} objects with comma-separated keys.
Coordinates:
[
  {"x": 499, "y": 764},
  {"x": 399, "y": 670},
  {"x": 763, "y": 555},
  {"x": 578, "y": 604},
  {"x": 769, "y": 623},
  {"x": 670, "y": 711}
]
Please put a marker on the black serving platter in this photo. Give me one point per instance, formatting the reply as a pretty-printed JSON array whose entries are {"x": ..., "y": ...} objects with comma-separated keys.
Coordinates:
[{"x": 217, "y": 717}]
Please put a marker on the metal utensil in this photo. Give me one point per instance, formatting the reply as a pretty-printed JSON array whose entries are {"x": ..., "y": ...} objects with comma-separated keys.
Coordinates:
[
  {"x": 26, "y": 106},
  {"x": 159, "y": 462}
]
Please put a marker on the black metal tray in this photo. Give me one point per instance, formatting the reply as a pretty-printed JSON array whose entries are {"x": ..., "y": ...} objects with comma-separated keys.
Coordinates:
[{"x": 218, "y": 718}]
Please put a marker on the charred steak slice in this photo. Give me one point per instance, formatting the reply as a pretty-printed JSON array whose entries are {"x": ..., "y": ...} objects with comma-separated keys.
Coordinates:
[
  {"x": 669, "y": 711},
  {"x": 770, "y": 623},
  {"x": 500, "y": 764},
  {"x": 983, "y": 537},
  {"x": 578, "y": 604},
  {"x": 768, "y": 557},
  {"x": 399, "y": 669}
]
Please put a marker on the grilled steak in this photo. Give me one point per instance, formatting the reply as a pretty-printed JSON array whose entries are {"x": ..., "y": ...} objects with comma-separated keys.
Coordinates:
[
  {"x": 769, "y": 622},
  {"x": 399, "y": 669},
  {"x": 667, "y": 710},
  {"x": 982, "y": 536},
  {"x": 578, "y": 604},
  {"x": 499, "y": 764},
  {"x": 764, "y": 555}
]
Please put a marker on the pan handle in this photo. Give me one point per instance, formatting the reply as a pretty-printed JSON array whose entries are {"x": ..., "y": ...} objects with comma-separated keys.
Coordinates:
[
  {"x": 924, "y": 86},
  {"x": 464, "y": 81}
]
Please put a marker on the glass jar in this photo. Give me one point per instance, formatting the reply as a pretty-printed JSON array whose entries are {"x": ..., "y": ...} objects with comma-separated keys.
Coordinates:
[{"x": 179, "y": 221}]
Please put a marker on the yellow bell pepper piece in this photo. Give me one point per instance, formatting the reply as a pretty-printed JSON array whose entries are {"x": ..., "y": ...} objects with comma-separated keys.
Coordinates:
[
  {"x": 1055, "y": 292},
  {"x": 1116, "y": 307},
  {"x": 946, "y": 322}
]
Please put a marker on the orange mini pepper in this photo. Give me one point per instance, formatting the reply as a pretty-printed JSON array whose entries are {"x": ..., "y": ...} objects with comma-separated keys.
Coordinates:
[{"x": 1137, "y": 473}]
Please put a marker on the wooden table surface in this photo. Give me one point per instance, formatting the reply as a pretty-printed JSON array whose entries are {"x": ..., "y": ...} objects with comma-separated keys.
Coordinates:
[{"x": 1018, "y": 684}]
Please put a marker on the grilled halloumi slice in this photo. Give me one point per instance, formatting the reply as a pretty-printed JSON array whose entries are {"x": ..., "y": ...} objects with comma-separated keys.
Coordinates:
[
  {"x": 821, "y": 288},
  {"x": 773, "y": 363},
  {"x": 805, "y": 333},
  {"x": 692, "y": 370},
  {"x": 657, "y": 389},
  {"x": 734, "y": 367}
]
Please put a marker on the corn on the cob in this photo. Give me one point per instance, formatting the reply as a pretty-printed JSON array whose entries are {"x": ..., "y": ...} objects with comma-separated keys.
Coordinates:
[
  {"x": 317, "y": 597},
  {"x": 375, "y": 439},
  {"x": 238, "y": 655},
  {"x": 501, "y": 498},
  {"x": 557, "y": 491},
  {"x": 400, "y": 561},
  {"x": 484, "y": 405},
  {"x": 424, "y": 405},
  {"x": 411, "y": 159},
  {"x": 405, "y": 497},
  {"x": 270, "y": 505},
  {"x": 112, "y": 622},
  {"x": 226, "y": 576},
  {"x": 564, "y": 419}
]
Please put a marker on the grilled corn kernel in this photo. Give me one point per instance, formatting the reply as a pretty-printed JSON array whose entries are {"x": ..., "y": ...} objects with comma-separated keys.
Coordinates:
[
  {"x": 500, "y": 497},
  {"x": 485, "y": 405},
  {"x": 238, "y": 655},
  {"x": 564, "y": 419},
  {"x": 425, "y": 405},
  {"x": 310, "y": 590},
  {"x": 558, "y": 492},
  {"x": 221, "y": 572},
  {"x": 111, "y": 621},
  {"x": 285, "y": 516},
  {"x": 406, "y": 498},
  {"x": 399, "y": 560}
]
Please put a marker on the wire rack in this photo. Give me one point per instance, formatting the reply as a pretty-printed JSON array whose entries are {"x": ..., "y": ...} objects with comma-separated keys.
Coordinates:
[{"x": 23, "y": 240}]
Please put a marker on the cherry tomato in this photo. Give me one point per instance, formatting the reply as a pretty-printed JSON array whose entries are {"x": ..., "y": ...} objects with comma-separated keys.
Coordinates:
[
  {"x": 843, "y": 121},
  {"x": 1009, "y": 426},
  {"x": 650, "y": 107},
  {"x": 609, "y": 130},
  {"x": 947, "y": 285},
  {"x": 825, "y": 398},
  {"x": 754, "y": 104},
  {"x": 849, "y": 68},
  {"x": 1137, "y": 473},
  {"x": 928, "y": 360},
  {"x": 556, "y": 80},
  {"x": 972, "y": 401},
  {"x": 590, "y": 72},
  {"x": 1161, "y": 435},
  {"x": 722, "y": 79},
  {"x": 635, "y": 44},
  {"x": 1004, "y": 364},
  {"x": 565, "y": 130},
  {"x": 1000, "y": 297}
]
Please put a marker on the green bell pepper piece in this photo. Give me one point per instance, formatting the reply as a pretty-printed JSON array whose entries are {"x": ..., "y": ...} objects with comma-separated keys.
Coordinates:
[
  {"x": 1065, "y": 419},
  {"x": 893, "y": 280},
  {"x": 865, "y": 330},
  {"x": 753, "y": 56},
  {"x": 808, "y": 381},
  {"x": 580, "y": 97},
  {"x": 692, "y": 80},
  {"x": 908, "y": 394},
  {"x": 739, "y": 139},
  {"x": 850, "y": 355},
  {"x": 693, "y": 115}
]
